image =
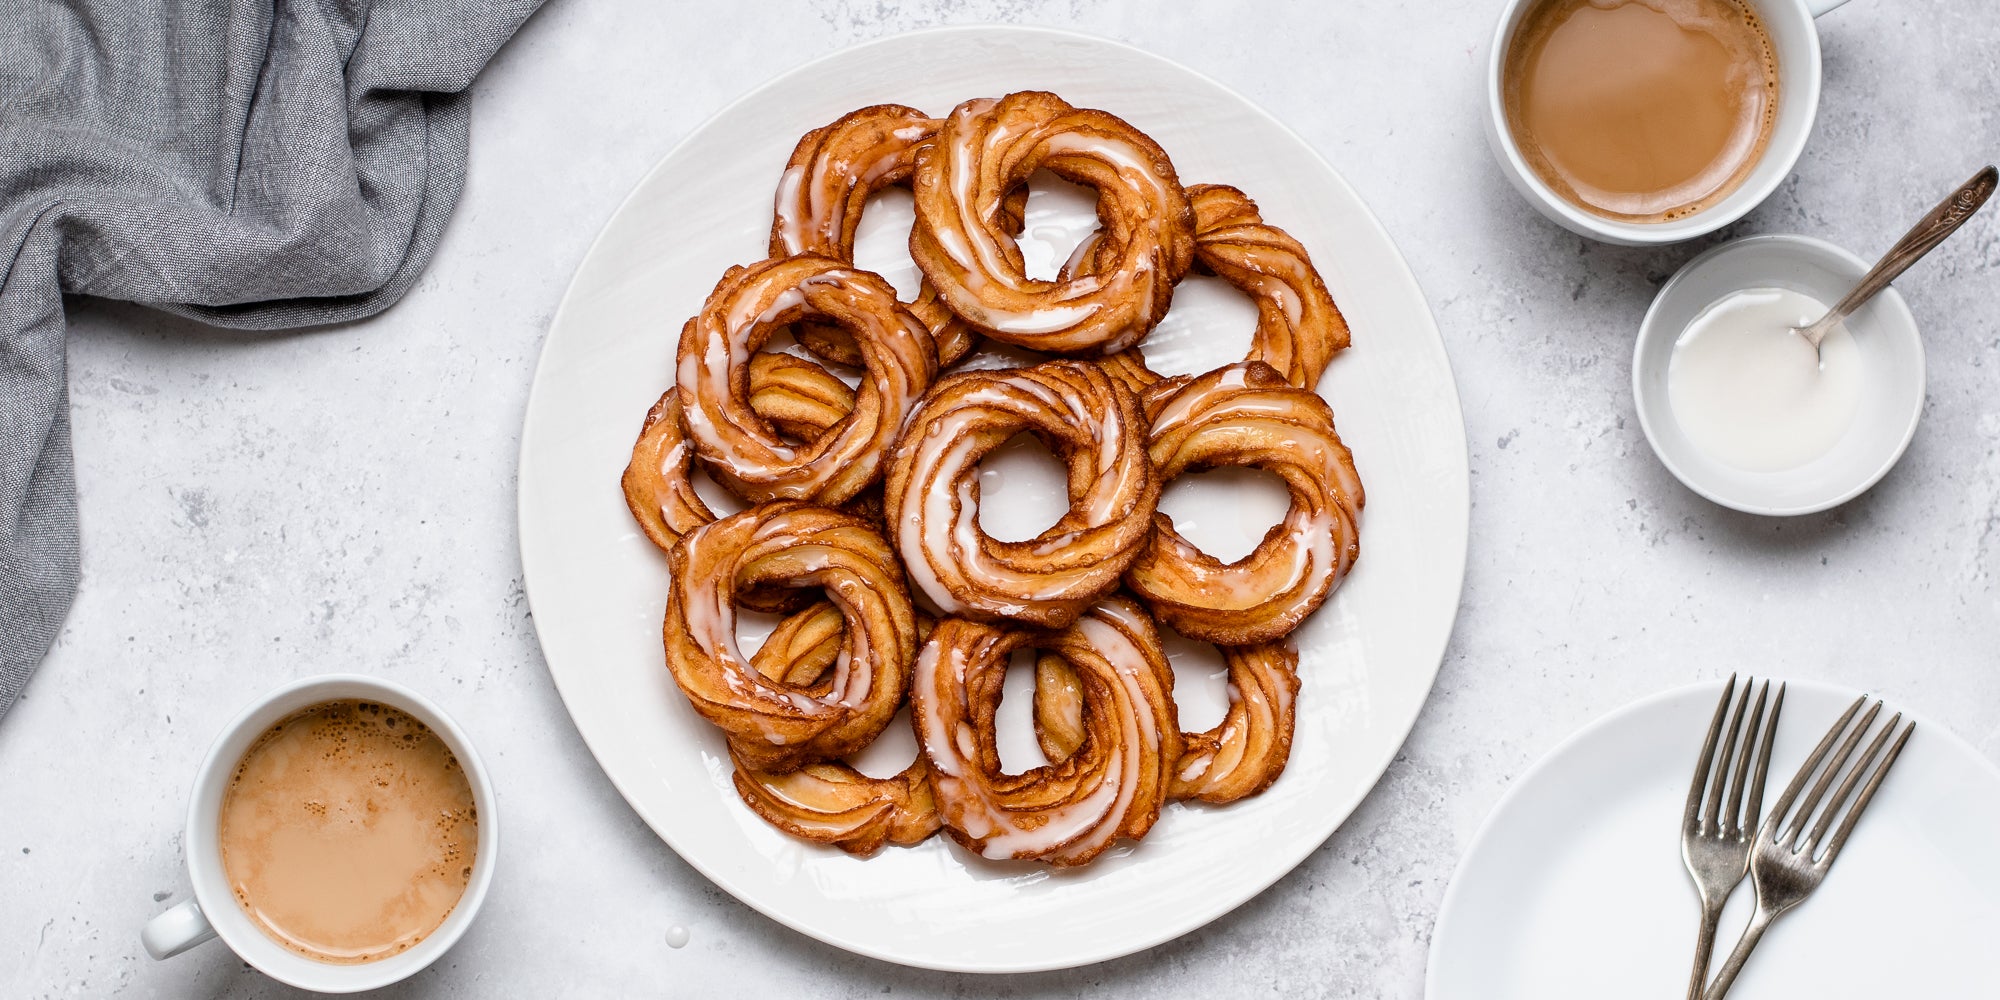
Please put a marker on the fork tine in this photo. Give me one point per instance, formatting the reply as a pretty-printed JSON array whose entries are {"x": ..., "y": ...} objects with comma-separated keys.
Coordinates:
[
  {"x": 1826, "y": 775},
  {"x": 1846, "y": 788},
  {"x": 1756, "y": 806},
  {"x": 1733, "y": 815},
  {"x": 1701, "y": 768},
  {"x": 1776, "y": 817},
  {"x": 1725, "y": 758},
  {"x": 1867, "y": 792}
]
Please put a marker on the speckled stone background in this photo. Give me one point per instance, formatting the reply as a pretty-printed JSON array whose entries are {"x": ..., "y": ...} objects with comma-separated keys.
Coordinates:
[{"x": 261, "y": 508}]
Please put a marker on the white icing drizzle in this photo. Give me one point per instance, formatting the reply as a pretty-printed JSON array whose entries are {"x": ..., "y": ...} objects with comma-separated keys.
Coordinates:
[
  {"x": 1048, "y": 319},
  {"x": 1280, "y": 293},
  {"x": 675, "y": 457},
  {"x": 928, "y": 705},
  {"x": 785, "y": 206},
  {"x": 868, "y": 176}
]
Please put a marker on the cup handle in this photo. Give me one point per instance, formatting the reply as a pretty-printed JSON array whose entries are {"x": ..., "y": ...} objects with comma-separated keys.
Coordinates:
[
  {"x": 176, "y": 930},
  {"x": 1818, "y": 7}
]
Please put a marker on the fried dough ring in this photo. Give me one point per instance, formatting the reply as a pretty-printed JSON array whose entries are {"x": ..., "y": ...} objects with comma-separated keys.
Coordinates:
[
  {"x": 743, "y": 450},
  {"x": 1299, "y": 329},
  {"x": 832, "y": 803},
  {"x": 1247, "y": 415},
  {"x": 1067, "y": 812},
  {"x": 1248, "y": 749},
  {"x": 1238, "y": 758},
  {"x": 931, "y": 495},
  {"x": 833, "y": 172},
  {"x": 798, "y": 397},
  {"x": 985, "y": 150},
  {"x": 772, "y": 726}
]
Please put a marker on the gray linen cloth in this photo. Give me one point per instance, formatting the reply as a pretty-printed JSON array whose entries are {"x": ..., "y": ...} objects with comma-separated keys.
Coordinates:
[{"x": 257, "y": 164}]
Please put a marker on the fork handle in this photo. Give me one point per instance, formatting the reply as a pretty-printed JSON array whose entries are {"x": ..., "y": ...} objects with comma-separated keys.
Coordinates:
[
  {"x": 1704, "y": 949},
  {"x": 1760, "y": 921}
]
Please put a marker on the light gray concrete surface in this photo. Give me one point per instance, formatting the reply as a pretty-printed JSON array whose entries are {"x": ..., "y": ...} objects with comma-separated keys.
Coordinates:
[{"x": 260, "y": 508}]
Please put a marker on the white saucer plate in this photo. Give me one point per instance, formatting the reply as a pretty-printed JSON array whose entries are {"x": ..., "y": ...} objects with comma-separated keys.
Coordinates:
[
  {"x": 1575, "y": 888},
  {"x": 1368, "y": 658}
]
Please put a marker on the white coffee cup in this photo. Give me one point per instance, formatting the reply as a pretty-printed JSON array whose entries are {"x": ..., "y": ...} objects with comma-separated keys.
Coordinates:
[
  {"x": 1796, "y": 42},
  {"x": 214, "y": 912}
]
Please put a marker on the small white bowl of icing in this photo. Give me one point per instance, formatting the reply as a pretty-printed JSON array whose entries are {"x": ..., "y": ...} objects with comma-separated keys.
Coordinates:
[{"x": 1742, "y": 411}]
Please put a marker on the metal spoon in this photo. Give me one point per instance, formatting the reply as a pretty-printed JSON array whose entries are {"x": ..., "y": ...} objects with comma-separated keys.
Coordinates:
[{"x": 1920, "y": 240}]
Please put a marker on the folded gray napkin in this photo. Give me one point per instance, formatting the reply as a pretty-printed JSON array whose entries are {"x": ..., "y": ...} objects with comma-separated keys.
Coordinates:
[{"x": 257, "y": 164}]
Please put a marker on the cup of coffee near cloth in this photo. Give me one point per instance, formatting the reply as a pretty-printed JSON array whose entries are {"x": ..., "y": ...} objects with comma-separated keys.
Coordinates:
[{"x": 340, "y": 837}]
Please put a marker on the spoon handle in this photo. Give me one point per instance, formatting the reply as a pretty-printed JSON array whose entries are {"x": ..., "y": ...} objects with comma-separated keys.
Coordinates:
[{"x": 1922, "y": 238}]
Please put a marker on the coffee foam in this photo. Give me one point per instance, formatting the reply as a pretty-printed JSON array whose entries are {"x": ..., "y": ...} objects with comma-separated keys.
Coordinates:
[
  {"x": 348, "y": 831},
  {"x": 1751, "y": 81}
]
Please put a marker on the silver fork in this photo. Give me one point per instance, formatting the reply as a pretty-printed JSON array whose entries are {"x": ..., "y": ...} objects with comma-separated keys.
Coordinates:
[
  {"x": 1715, "y": 842},
  {"x": 1787, "y": 866}
]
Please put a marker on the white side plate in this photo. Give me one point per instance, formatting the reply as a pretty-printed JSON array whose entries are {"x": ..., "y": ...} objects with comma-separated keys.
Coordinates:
[
  {"x": 1575, "y": 887},
  {"x": 597, "y": 586}
]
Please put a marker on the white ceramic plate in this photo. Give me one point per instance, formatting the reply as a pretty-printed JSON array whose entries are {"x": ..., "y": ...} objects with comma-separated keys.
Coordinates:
[
  {"x": 1575, "y": 887},
  {"x": 1368, "y": 657}
]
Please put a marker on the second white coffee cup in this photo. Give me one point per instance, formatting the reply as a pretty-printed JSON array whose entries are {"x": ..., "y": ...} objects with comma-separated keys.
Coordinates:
[{"x": 1796, "y": 41}]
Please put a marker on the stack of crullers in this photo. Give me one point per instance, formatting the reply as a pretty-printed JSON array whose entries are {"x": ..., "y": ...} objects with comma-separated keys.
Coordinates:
[{"x": 861, "y": 496}]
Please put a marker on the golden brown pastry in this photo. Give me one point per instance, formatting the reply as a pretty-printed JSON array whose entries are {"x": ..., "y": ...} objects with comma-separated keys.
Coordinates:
[
  {"x": 1069, "y": 811},
  {"x": 799, "y": 398},
  {"x": 931, "y": 496},
  {"x": 743, "y": 451},
  {"x": 1238, "y": 758},
  {"x": 772, "y": 725},
  {"x": 833, "y": 172},
  {"x": 985, "y": 150},
  {"x": 1299, "y": 329},
  {"x": 832, "y": 803},
  {"x": 1248, "y": 749},
  {"x": 1247, "y": 415}
]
